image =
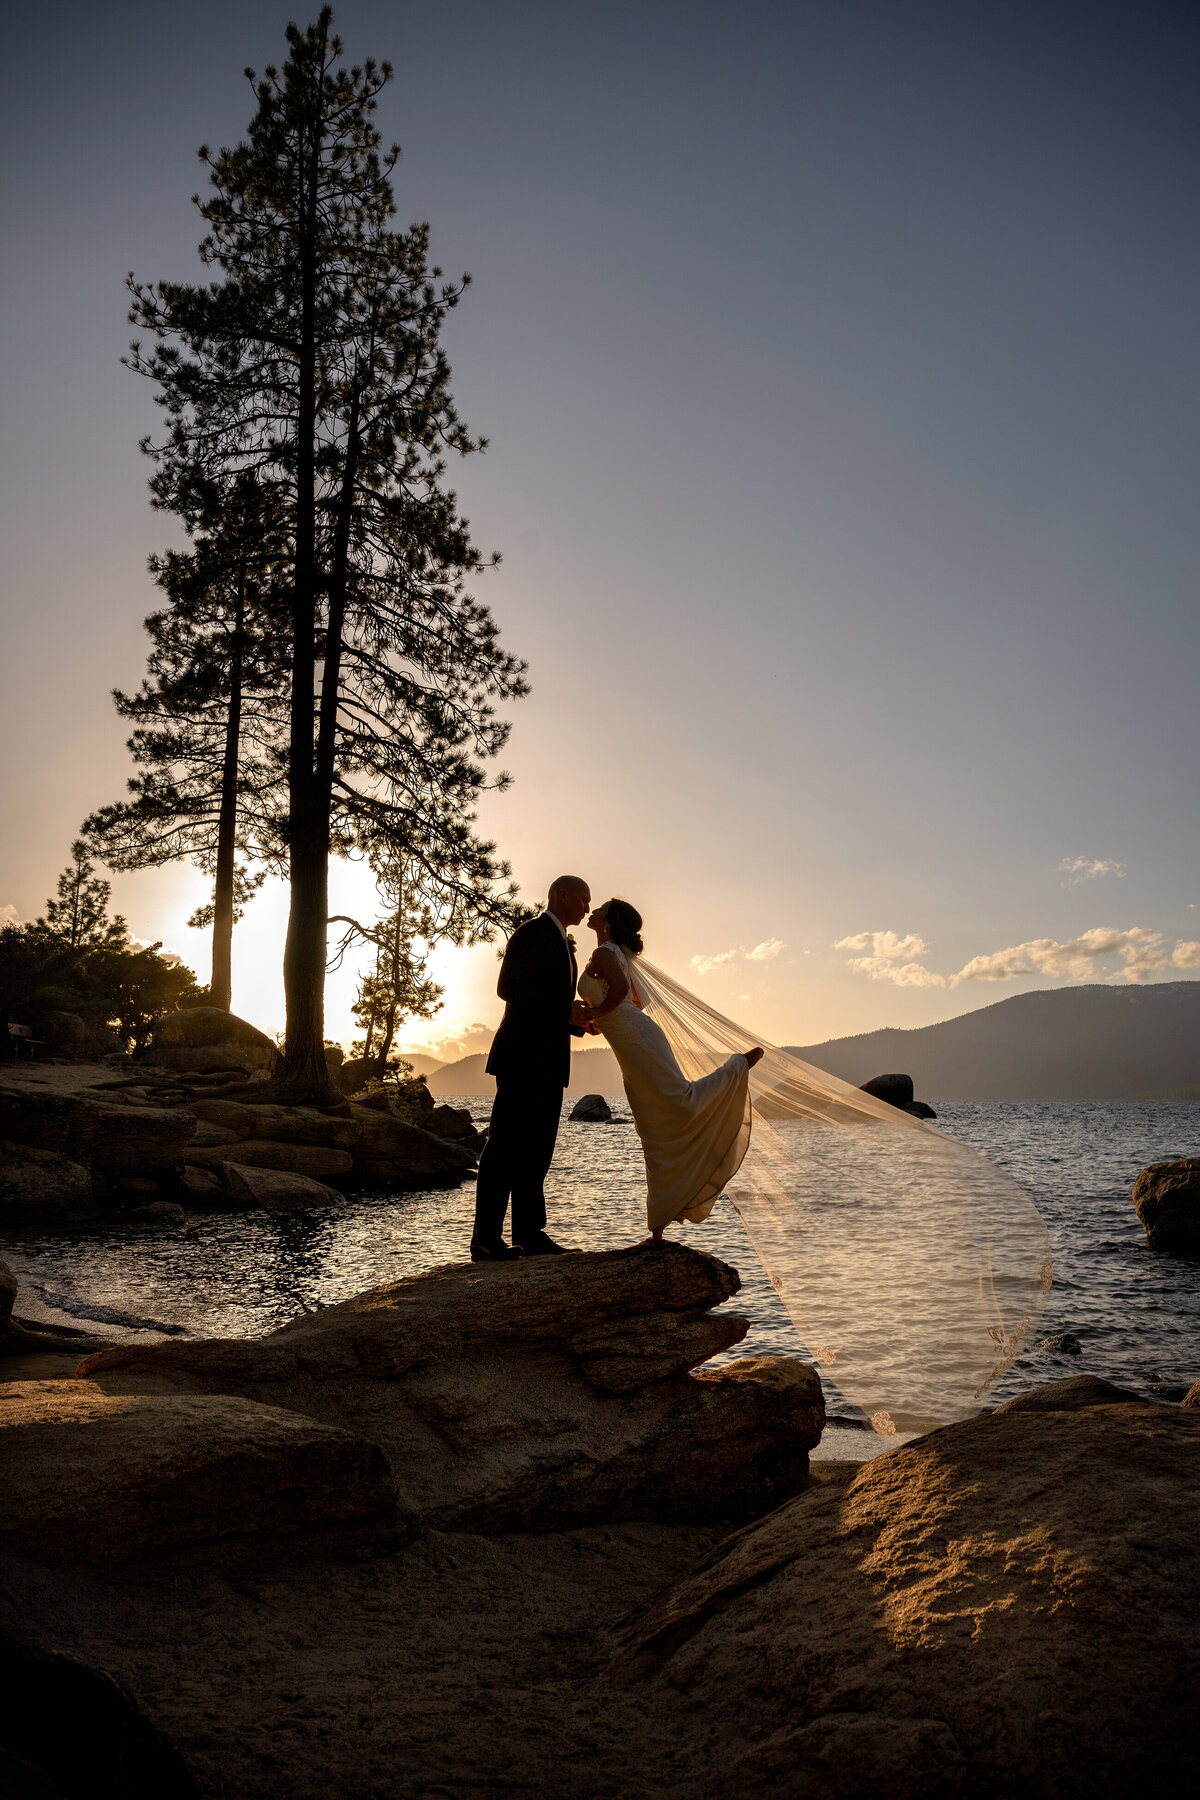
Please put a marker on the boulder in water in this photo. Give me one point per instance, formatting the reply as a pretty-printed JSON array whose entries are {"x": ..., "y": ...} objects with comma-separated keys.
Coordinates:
[
  {"x": 1167, "y": 1198},
  {"x": 1064, "y": 1343},
  {"x": 897, "y": 1090},
  {"x": 593, "y": 1109}
]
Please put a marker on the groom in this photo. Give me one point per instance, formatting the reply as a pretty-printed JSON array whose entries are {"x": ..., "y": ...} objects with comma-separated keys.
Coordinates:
[{"x": 531, "y": 1060}]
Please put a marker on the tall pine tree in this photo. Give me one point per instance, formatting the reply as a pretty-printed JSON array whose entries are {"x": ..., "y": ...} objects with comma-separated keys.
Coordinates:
[{"x": 315, "y": 364}]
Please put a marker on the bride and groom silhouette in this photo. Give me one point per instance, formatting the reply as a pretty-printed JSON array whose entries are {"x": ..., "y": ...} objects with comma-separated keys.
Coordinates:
[{"x": 694, "y": 1133}]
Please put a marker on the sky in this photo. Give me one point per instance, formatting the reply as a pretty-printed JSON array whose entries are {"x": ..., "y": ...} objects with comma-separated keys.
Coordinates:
[{"x": 840, "y": 372}]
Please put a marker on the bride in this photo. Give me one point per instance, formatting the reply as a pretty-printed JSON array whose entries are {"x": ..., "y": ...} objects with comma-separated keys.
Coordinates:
[{"x": 694, "y": 1133}]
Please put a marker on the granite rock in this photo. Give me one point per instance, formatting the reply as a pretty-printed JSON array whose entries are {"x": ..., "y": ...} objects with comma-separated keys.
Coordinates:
[
  {"x": 1006, "y": 1606},
  {"x": 531, "y": 1395},
  {"x": 1167, "y": 1198}
]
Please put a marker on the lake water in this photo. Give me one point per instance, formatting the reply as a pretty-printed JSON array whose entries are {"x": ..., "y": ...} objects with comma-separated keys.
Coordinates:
[{"x": 1136, "y": 1313}]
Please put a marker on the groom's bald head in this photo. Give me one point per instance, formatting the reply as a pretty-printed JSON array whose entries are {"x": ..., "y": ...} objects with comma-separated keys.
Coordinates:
[{"x": 570, "y": 898}]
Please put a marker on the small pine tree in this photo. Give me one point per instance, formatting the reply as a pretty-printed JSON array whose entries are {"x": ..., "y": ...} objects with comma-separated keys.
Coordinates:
[{"x": 78, "y": 916}]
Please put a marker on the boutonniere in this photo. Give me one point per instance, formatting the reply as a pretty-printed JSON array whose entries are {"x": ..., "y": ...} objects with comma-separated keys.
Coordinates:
[{"x": 570, "y": 940}]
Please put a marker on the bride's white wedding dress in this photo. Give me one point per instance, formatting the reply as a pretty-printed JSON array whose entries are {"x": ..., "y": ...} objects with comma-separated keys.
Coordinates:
[
  {"x": 913, "y": 1269},
  {"x": 694, "y": 1133}
]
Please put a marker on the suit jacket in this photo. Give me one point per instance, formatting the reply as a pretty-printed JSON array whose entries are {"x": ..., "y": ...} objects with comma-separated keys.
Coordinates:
[{"x": 537, "y": 985}]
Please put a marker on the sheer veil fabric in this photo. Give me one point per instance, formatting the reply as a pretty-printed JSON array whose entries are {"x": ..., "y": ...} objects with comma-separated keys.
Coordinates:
[{"x": 913, "y": 1269}]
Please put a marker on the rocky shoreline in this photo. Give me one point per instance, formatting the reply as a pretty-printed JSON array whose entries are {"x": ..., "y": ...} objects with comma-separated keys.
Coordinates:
[
  {"x": 82, "y": 1142},
  {"x": 493, "y": 1530}
]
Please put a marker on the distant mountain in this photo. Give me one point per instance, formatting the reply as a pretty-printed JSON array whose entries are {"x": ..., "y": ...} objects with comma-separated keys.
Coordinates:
[
  {"x": 592, "y": 1072},
  {"x": 1082, "y": 1043},
  {"x": 422, "y": 1065}
]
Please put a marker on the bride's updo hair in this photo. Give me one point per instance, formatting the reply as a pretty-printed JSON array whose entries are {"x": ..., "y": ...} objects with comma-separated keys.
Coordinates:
[{"x": 624, "y": 926}]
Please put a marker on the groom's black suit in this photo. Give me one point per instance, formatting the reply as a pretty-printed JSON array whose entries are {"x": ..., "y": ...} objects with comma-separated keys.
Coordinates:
[{"x": 531, "y": 1060}]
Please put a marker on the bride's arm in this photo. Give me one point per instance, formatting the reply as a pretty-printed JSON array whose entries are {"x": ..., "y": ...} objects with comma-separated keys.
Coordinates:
[{"x": 607, "y": 967}]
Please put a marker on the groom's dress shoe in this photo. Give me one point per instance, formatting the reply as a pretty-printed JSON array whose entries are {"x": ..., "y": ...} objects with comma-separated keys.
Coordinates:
[
  {"x": 542, "y": 1245},
  {"x": 497, "y": 1252}
]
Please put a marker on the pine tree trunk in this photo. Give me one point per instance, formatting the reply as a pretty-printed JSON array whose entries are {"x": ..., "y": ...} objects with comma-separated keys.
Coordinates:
[
  {"x": 304, "y": 1075},
  {"x": 221, "y": 989}
]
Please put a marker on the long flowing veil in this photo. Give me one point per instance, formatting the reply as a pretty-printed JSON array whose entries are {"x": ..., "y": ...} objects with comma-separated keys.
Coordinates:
[{"x": 912, "y": 1267}]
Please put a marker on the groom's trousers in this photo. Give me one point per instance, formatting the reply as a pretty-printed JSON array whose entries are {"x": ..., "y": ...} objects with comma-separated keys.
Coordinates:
[{"x": 515, "y": 1159}]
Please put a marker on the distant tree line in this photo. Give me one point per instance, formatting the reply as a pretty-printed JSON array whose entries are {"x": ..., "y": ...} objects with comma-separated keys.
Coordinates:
[{"x": 320, "y": 681}]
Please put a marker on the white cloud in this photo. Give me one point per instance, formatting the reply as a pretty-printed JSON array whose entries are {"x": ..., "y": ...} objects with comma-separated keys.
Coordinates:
[
  {"x": 909, "y": 974},
  {"x": 1141, "y": 952},
  {"x": 767, "y": 951},
  {"x": 1087, "y": 868},
  {"x": 704, "y": 965},
  {"x": 887, "y": 945},
  {"x": 9, "y": 915},
  {"x": 1102, "y": 954},
  {"x": 889, "y": 957}
]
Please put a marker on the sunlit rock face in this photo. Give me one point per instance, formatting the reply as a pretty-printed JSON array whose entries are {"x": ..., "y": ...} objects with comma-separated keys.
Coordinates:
[
  {"x": 533, "y": 1394},
  {"x": 1009, "y": 1606}
]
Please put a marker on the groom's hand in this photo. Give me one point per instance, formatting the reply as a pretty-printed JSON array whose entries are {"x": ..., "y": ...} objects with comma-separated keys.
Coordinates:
[{"x": 581, "y": 1015}]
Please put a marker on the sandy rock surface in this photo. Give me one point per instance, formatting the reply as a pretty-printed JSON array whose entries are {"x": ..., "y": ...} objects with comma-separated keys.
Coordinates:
[
  {"x": 1009, "y": 1606},
  {"x": 534, "y": 1394},
  {"x": 105, "y": 1478}
]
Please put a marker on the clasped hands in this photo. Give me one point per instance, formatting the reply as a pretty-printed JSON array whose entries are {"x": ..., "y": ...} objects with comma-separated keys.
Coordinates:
[{"x": 582, "y": 1020}]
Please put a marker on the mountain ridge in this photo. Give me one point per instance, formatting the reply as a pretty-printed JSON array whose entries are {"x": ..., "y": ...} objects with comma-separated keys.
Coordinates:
[{"x": 1079, "y": 1043}]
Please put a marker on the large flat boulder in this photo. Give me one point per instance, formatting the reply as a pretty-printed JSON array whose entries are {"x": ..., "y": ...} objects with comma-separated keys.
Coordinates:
[
  {"x": 1166, "y": 1196},
  {"x": 531, "y": 1395},
  {"x": 114, "y": 1478},
  {"x": 1008, "y": 1606}
]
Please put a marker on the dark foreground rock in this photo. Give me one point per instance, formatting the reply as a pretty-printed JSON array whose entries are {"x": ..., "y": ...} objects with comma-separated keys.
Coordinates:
[
  {"x": 71, "y": 1731},
  {"x": 1006, "y": 1607},
  {"x": 592, "y": 1109},
  {"x": 115, "y": 1478},
  {"x": 1167, "y": 1198},
  {"x": 530, "y": 1395}
]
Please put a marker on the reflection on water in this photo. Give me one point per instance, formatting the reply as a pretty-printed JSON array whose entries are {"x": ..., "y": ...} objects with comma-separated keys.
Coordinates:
[{"x": 1136, "y": 1313}]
